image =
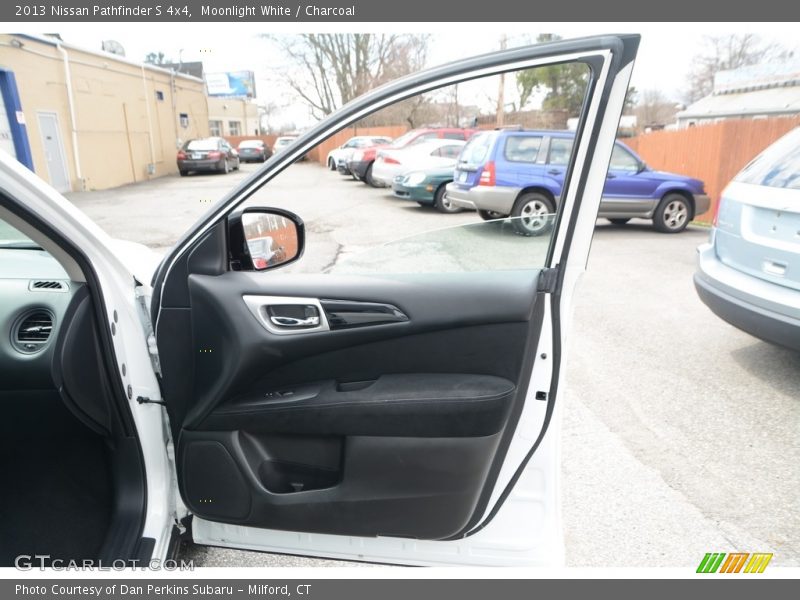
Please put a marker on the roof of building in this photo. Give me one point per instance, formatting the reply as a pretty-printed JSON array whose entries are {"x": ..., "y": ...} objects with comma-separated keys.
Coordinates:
[
  {"x": 53, "y": 40},
  {"x": 768, "y": 88},
  {"x": 781, "y": 100}
]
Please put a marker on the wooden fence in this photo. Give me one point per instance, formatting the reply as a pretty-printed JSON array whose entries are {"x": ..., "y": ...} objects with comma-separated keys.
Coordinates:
[{"x": 713, "y": 153}]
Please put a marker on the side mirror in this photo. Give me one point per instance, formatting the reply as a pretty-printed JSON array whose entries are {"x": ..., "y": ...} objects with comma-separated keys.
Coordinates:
[
  {"x": 642, "y": 167},
  {"x": 264, "y": 238}
]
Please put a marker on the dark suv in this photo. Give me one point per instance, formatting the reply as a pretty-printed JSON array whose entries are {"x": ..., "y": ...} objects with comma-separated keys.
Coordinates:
[{"x": 520, "y": 173}]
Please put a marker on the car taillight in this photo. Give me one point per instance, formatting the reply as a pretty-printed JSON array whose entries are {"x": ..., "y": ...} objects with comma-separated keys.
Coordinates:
[
  {"x": 487, "y": 175},
  {"x": 214, "y": 154},
  {"x": 390, "y": 161},
  {"x": 716, "y": 211},
  {"x": 181, "y": 155}
]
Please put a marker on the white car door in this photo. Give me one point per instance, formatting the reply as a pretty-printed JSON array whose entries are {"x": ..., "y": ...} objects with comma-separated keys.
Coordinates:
[{"x": 412, "y": 417}]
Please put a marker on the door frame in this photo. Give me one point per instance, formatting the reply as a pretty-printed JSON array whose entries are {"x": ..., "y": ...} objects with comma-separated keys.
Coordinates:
[{"x": 60, "y": 141}]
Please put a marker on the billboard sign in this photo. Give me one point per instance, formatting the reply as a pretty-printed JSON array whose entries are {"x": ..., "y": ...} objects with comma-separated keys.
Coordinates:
[{"x": 232, "y": 84}]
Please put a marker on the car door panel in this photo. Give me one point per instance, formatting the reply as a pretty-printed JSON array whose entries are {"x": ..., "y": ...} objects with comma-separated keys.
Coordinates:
[
  {"x": 382, "y": 429},
  {"x": 400, "y": 428}
]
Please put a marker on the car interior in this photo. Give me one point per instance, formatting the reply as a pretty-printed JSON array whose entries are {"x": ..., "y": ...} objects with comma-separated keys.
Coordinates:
[{"x": 69, "y": 457}]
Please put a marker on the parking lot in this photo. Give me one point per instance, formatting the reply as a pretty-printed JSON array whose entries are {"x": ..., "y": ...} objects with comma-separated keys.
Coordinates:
[{"x": 680, "y": 433}]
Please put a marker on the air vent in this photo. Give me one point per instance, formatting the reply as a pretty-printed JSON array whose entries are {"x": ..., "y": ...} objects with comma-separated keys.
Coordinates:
[
  {"x": 47, "y": 285},
  {"x": 32, "y": 331}
]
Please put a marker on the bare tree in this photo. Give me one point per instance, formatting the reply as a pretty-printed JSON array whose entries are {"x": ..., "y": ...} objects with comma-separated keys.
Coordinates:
[
  {"x": 654, "y": 108},
  {"x": 330, "y": 69},
  {"x": 726, "y": 52}
]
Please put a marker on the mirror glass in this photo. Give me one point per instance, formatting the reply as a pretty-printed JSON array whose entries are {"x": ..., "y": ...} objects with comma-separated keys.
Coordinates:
[{"x": 272, "y": 239}]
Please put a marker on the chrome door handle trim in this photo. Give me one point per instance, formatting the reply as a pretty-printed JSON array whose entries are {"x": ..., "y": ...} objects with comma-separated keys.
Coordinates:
[
  {"x": 258, "y": 307},
  {"x": 293, "y": 322}
]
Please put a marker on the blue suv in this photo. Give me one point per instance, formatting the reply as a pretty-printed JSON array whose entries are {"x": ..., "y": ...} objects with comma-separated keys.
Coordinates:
[{"x": 520, "y": 173}]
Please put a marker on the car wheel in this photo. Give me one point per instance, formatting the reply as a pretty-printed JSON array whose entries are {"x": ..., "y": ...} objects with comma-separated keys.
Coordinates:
[
  {"x": 331, "y": 164},
  {"x": 226, "y": 167},
  {"x": 368, "y": 177},
  {"x": 490, "y": 215},
  {"x": 442, "y": 204},
  {"x": 672, "y": 214},
  {"x": 618, "y": 221},
  {"x": 183, "y": 173},
  {"x": 531, "y": 212},
  {"x": 238, "y": 164}
]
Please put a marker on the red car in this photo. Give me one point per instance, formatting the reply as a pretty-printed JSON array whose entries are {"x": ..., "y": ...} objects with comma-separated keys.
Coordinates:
[{"x": 360, "y": 163}]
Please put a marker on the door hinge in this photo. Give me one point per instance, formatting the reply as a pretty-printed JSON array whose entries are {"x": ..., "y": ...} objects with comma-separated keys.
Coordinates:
[
  {"x": 145, "y": 400},
  {"x": 150, "y": 337},
  {"x": 548, "y": 279}
]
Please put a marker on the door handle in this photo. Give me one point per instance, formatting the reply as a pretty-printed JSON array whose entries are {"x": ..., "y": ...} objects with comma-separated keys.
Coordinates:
[
  {"x": 610, "y": 176},
  {"x": 294, "y": 322},
  {"x": 554, "y": 172}
]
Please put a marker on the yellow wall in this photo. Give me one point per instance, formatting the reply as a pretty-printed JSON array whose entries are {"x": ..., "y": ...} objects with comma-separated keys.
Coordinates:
[
  {"x": 116, "y": 137},
  {"x": 233, "y": 109}
]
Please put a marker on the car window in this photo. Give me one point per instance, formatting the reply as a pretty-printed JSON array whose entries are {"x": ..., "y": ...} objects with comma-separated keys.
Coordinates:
[
  {"x": 623, "y": 160},
  {"x": 11, "y": 237},
  {"x": 451, "y": 151},
  {"x": 477, "y": 149},
  {"x": 453, "y": 135},
  {"x": 520, "y": 148},
  {"x": 425, "y": 137},
  {"x": 778, "y": 166},
  {"x": 202, "y": 145},
  {"x": 560, "y": 151}
]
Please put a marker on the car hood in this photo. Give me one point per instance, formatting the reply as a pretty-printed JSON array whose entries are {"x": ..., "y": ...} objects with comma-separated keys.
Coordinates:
[
  {"x": 140, "y": 260},
  {"x": 695, "y": 184}
]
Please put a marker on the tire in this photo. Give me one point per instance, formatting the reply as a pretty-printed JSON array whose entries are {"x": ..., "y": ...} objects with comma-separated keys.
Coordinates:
[
  {"x": 443, "y": 205},
  {"x": 529, "y": 212},
  {"x": 183, "y": 173},
  {"x": 331, "y": 164},
  {"x": 672, "y": 214},
  {"x": 619, "y": 221},
  {"x": 368, "y": 177},
  {"x": 226, "y": 168},
  {"x": 490, "y": 215}
]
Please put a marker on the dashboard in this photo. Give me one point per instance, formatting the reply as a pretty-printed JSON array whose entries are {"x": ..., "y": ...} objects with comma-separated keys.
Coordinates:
[{"x": 35, "y": 292}]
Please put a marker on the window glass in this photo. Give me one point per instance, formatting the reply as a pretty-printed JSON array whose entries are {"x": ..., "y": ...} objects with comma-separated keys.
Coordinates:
[
  {"x": 622, "y": 160},
  {"x": 519, "y": 148},
  {"x": 234, "y": 128},
  {"x": 560, "y": 151},
  {"x": 477, "y": 148},
  {"x": 777, "y": 166},
  {"x": 215, "y": 128}
]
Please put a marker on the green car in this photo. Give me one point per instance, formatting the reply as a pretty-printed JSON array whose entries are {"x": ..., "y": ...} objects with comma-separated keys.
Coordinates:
[{"x": 426, "y": 187}]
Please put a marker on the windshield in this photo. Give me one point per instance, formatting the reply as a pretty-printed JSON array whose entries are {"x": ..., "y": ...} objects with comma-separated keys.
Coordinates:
[
  {"x": 283, "y": 141},
  {"x": 477, "y": 149},
  {"x": 251, "y": 144},
  {"x": 778, "y": 166},
  {"x": 11, "y": 237},
  {"x": 404, "y": 139},
  {"x": 202, "y": 145}
]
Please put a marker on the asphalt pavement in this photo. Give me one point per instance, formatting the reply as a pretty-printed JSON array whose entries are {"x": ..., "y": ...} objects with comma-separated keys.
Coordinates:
[{"x": 681, "y": 434}]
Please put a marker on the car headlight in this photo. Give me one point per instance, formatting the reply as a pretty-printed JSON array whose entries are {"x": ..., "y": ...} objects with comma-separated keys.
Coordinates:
[
  {"x": 358, "y": 155},
  {"x": 415, "y": 178}
]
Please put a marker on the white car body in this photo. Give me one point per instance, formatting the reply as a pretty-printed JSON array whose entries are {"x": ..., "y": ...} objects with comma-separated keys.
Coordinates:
[
  {"x": 345, "y": 151},
  {"x": 521, "y": 523},
  {"x": 390, "y": 163}
]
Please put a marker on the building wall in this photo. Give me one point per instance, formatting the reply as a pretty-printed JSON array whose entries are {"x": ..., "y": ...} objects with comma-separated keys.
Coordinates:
[
  {"x": 225, "y": 110},
  {"x": 124, "y": 132}
]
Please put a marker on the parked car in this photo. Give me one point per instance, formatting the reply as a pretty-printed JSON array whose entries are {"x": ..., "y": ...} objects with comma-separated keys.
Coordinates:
[
  {"x": 284, "y": 142},
  {"x": 337, "y": 158},
  {"x": 390, "y": 163},
  {"x": 520, "y": 173},
  {"x": 426, "y": 187},
  {"x": 207, "y": 154},
  {"x": 360, "y": 164},
  {"x": 253, "y": 151},
  {"x": 749, "y": 271}
]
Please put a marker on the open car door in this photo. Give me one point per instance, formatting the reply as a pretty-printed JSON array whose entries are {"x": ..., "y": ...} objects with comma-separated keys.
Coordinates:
[{"x": 393, "y": 416}]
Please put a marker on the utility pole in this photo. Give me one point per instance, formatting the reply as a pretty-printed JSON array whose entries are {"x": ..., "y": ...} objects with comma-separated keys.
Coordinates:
[{"x": 501, "y": 91}]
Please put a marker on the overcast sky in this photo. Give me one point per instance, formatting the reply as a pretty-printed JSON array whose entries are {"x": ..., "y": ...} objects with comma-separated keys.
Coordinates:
[{"x": 665, "y": 54}]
